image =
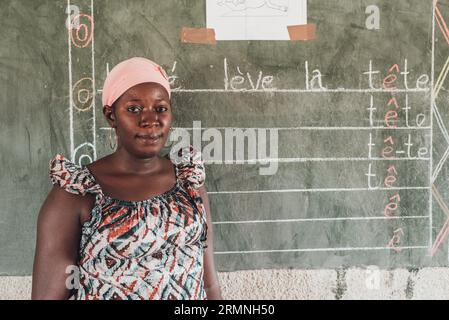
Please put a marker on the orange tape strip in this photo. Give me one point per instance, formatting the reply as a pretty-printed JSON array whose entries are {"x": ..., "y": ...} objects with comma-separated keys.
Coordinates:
[
  {"x": 198, "y": 35},
  {"x": 302, "y": 32}
]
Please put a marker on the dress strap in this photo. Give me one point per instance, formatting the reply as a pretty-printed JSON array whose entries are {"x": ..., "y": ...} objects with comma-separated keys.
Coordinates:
[
  {"x": 71, "y": 177},
  {"x": 189, "y": 166}
]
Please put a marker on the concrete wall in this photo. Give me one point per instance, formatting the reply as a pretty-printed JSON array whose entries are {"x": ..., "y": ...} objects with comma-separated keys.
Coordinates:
[{"x": 426, "y": 283}]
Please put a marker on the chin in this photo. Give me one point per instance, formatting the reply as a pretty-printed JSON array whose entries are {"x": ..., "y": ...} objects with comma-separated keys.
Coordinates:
[
  {"x": 142, "y": 153},
  {"x": 146, "y": 149},
  {"x": 148, "y": 153}
]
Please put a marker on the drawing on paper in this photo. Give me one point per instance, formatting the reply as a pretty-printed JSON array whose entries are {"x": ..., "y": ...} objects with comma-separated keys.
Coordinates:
[
  {"x": 254, "y": 7},
  {"x": 254, "y": 19}
]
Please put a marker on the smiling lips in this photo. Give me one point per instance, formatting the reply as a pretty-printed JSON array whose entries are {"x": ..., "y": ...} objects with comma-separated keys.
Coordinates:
[{"x": 150, "y": 138}]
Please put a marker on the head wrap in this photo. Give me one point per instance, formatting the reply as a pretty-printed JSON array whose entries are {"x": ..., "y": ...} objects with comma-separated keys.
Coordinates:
[{"x": 129, "y": 73}]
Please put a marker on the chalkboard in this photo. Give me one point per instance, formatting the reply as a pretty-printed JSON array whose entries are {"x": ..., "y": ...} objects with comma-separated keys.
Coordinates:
[{"x": 358, "y": 116}]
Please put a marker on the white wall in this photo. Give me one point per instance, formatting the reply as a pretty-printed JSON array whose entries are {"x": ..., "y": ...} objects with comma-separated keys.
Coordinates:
[{"x": 425, "y": 283}]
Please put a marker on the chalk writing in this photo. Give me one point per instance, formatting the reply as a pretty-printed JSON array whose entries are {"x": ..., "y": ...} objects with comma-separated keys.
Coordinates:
[
  {"x": 246, "y": 81},
  {"x": 83, "y": 91},
  {"x": 82, "y": 35},
  {"x": 395, "y": 241}
]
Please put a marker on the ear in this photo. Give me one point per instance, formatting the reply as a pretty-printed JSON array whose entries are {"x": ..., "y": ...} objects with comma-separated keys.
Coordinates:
[{"x": 108, "y": 112}]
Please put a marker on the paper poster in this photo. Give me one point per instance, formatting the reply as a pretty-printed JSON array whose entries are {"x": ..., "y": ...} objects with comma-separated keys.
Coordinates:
[{"x": 254, "y": 19}]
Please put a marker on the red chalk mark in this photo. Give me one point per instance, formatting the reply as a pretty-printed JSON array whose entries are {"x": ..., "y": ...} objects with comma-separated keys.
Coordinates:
[
  {"x": 390, "y": 209},
  {"x": 396, "y": 197},
  {"x": 82, "y": 36},
  {"x": 392, "y": 170},
  {"x": 391, "y": 115},
  {"x": 396, "y": 239},
  {"x": 389, "y": 181},
  {"x": 392, "y": 206},
  {"x": 442, "y": 24},
  {"x": 440, "y": 238},
  {"x": 387, "y": 152},
  {"x": 390, "y": 140},
  {"x": 389, "y": 81},
  {"x": 394, "y": 67},
  {"x": 393, "y": 101},
  {"x": 84, "y": 32},
  {"x": 445, "y": 229}
]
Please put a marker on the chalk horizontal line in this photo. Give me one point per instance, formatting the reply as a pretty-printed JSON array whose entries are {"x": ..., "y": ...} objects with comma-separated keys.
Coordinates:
[
  {"x": 304, "y": 128},
  {"x": 342, "y": 90},
  {"x": 339, "y": 90},
  {"x": 319, "y": 219},
  {"x": 295, "y": 160},
  {"x": 323, "y": 249},
  {"x": 317, "y": 190},
  {"x": 295, "y": 128}
]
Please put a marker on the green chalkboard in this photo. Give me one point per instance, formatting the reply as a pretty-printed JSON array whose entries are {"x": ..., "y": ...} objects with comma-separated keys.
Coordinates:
[{"x": 354, "y": 121}]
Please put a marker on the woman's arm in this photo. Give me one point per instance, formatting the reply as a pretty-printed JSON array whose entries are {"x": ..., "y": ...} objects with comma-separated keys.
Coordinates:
[
  {"x": 211, "y": 284},
  {"x": 58, "y": 235}
]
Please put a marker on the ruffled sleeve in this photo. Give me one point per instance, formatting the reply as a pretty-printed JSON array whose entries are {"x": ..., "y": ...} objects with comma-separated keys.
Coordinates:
[
  {"x": 190, "y": 166},
  {"x": 71, "y": 177}
]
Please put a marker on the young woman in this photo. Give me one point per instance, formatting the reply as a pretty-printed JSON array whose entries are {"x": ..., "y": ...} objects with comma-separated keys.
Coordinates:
[{"x": 131, "y": 225}]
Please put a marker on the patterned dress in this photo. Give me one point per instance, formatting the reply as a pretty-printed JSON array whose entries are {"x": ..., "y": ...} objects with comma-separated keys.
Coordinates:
[{"x": 149, "y": 249}]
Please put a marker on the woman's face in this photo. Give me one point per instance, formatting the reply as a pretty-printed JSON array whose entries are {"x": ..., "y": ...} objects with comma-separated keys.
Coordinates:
[{"x": 142, "y": 117}]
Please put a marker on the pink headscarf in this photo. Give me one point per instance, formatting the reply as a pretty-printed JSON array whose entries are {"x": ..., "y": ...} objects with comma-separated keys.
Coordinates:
[{"x": 129, "y": 73}]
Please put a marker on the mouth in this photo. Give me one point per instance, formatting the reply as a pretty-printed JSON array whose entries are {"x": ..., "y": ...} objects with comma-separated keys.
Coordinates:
[{"x": 149, "y": 138}]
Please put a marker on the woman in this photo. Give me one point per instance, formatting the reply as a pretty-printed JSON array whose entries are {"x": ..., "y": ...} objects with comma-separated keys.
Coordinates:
[{"x": 131, "y": 225}]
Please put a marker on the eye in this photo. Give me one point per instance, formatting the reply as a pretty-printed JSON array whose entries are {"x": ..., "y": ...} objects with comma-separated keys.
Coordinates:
[
  {"x": 134, "y": 109},
  {"x": 161, "y": 108}
]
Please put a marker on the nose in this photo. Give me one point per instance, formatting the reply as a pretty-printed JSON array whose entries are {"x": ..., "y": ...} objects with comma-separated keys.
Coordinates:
[{"x": 149, "y": 118}]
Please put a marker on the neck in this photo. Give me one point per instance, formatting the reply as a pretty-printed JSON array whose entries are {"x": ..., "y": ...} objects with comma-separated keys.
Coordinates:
[{"x": 127, "y": 163}]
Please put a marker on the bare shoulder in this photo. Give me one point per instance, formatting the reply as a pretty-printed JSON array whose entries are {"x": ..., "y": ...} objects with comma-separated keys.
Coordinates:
[
  {"x": 61, "y": 203},
  {"x": 99, "y": 166}
]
